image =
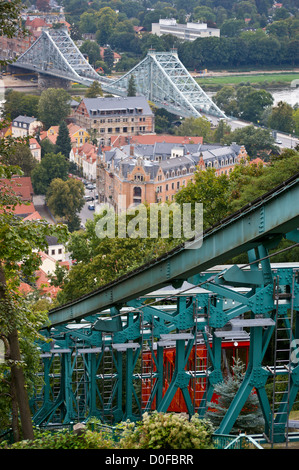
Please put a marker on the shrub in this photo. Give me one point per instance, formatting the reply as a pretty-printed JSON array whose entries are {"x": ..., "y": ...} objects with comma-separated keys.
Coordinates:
[
  {"x": 63, "y": 439},
  {"x": 167, "y": 431}
]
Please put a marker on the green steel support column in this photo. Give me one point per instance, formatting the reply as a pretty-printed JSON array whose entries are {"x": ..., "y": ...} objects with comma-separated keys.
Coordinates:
[
  {"x": 159, "y": 373},
  {"x": 118, "y": 414},
  {"x": 66, "y": 383},
  {"x": 265, "y": 407},
  {"x": 254, "y": 377},
  {"x": 179, "y": 380},
  {"x": 46, "y": 391},
  {"x": 129, "y": 385},
  {"x": 93, "y": 386}
]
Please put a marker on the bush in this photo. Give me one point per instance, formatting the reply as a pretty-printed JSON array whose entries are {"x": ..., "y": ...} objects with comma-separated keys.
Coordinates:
[
  {"x": 63, "y": 439},
  {"x": 168, "y": 431},
  {"x": 155, "y": 431}
]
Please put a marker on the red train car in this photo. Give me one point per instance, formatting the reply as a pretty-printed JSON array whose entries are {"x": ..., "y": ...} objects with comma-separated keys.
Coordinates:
[{"x": 197, "y": 363}]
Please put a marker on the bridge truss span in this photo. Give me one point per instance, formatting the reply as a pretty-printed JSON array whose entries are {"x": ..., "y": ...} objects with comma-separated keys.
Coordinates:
[{"x": 160, "y": 76}]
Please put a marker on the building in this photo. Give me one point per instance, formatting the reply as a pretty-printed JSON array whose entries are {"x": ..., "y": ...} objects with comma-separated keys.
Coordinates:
[
  {"x": 55, "y": 250},
  {"x": 186, "y": 32},
  {"x": 24, "y": 126},
  {"x": 156, "y": 172},
  {"x": 85, "y": 157},
  {"x": 78, "y": 135},
  {"x": 113, "y": 116},
  {"x": 35, "y": 149},
  {"x": 21, "y": 187}
]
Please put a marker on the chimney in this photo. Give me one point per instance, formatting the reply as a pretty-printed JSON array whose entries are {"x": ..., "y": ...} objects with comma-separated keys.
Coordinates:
[{"x": 132, "y": 150}]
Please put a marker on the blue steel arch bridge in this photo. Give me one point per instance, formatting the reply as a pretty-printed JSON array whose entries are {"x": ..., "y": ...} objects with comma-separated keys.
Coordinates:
[
  {"x": 160, "y": 76},
  {"x": 94, "y": 348}
]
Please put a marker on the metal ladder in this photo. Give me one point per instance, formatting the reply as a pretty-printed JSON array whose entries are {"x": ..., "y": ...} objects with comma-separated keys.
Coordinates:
[
  {"x": 282, "y": 364},
  {"x": 107, "y": 383},
  {"x": 147, "y": 365},
  {"x": 200, "y": 372},
  {"x": 79, "y": 381}
]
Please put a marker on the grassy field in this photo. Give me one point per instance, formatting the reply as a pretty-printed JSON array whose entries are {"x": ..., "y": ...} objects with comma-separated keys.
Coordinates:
[{"x": 263, "y": 79}]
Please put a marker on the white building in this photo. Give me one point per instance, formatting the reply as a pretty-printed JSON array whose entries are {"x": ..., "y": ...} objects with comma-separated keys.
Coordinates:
[
  {"x": 85, "y": 157},
  {"x": 186, "y": 32},
  {"x": 23, "y": 126}
]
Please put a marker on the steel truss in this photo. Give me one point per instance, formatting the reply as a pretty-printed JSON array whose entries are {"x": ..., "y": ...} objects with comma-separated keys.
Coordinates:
[
  {"x": 127, "y": 320},
  {"x": 118, "y": 392},
  {"x": 161, "y": 76}
]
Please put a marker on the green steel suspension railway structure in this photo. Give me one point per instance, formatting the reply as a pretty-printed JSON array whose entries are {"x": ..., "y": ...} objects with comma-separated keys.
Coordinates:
[{"x": 95, "y": 347}]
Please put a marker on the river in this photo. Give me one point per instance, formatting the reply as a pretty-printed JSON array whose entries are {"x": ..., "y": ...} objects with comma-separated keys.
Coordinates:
[{"x": 289, "y": 95}]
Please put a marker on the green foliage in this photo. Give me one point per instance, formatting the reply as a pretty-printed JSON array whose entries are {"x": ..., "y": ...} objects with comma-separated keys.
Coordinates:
[
  {"x": 94, "y": 90},
  {"x": 244, "y": 102},
  {"x": 155, "y": 431},
  {"x": 63, "y": 141},
  {"x": 65, "y": 199},
  {"x": 53, "y": 106},
  {"x": 18, "y": 103},
  {"x": 131, "y": 86},
  {"x": 63, "y": 439},
  {"x": 200, "y": 127},
  {"x": 51, "y": 166},
  {"x": 258, "y": 142},
  {"x": 168, "y": 431},
  {"x": 210, "y": 190}
]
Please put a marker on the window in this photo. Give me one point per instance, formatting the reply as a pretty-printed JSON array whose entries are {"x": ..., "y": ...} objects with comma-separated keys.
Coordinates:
[
  {"x": 137, "y": 191},
  {"x": 52, "y": 252},
  {"x": 110, "y": 130},
  {"x": 125, "y": 129}
]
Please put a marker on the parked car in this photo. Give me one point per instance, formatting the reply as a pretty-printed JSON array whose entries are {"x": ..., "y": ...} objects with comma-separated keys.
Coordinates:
[
  {"x": 91, "y": 207},
  {"x": 88, "y": 198},
  {"x": 91, "y": 186},
  {"x": 278, "y": 141}
]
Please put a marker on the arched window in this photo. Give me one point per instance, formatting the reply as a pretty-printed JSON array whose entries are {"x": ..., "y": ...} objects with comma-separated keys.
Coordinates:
[{"x": 137, "y": 191}]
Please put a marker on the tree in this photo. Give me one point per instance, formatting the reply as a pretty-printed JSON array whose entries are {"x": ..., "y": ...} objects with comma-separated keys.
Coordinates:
[
  {"x": 53, "y": 106},
  {"x": 258, "y": 142},
  {"x": 51, "y": 166},
  {"x": 94, "y": 90},
  {"x": 281, "y": 117},
  {"x": 106, "y": 24},
  {"x": 108, "y": 57},
  {"x": 21, "y": 156},
  {"x": 250, "y": 420},
  {"x": 131, "y": 86},
  {"x": 91, "y": 50},
  {"x": 20, "y": 243},
  {"x": 210, "y": 190},
  {"x": 65, "y": 199},
  {"x": 63, "y": 141},
  {"x": 200, "y": 127},
  {"x": 18, "y": 103}
]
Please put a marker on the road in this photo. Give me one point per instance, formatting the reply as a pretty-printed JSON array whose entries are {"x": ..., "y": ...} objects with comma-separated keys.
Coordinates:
[
  {"x": 86, "y": 213},
  {"x": 287, "y": 141}
]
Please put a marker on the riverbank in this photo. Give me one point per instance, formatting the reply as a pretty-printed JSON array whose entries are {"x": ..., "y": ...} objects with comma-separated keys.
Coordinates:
[{"x": 214, "y": 81}]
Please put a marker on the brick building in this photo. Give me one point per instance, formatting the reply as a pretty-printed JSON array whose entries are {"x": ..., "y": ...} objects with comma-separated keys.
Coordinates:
[
  {"x": 113, "y": 116},
  {"x": 156, "y": 172}
]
